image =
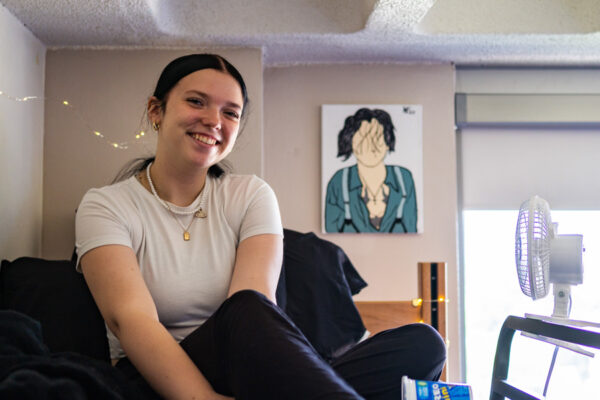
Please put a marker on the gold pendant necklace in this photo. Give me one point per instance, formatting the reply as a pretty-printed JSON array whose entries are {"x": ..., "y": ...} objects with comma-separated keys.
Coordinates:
[
  {"x": 199, "y": 213},
  {"x": 186, "y": 231}
]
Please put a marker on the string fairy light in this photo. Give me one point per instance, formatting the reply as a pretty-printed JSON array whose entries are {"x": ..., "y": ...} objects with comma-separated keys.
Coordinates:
[
  {"x": 66, "y": 103},
  {"x": 21, "y": 99},
  {"x": 419, "y": 302}
]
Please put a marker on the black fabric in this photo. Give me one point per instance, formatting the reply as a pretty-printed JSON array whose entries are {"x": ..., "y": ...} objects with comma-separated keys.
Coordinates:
[
  {"x": 315, "y": 291},
  {"x": 56, "y": 295},
  {"x": 374, "y": 367},
  {"x": 249, "y": 349},
  {"x": 29, "y": 371}
]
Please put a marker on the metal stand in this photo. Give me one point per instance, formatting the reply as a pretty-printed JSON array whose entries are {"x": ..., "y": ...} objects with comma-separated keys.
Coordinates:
[{"x": 500, "y": 389}]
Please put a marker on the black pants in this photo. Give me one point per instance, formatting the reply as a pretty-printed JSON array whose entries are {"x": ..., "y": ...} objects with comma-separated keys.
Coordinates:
[{"x": 249, "y": 349}]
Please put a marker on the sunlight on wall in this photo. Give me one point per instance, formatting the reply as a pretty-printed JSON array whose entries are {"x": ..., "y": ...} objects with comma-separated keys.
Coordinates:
[{"x": 492, "y": 293}]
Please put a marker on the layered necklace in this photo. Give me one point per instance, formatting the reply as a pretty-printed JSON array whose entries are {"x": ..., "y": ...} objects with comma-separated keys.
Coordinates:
[{"x": 198, "y": 213}]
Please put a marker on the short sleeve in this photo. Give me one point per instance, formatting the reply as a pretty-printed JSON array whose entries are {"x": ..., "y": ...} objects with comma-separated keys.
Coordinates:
[
  {"x": 99, "y": 222},
  {"x": 262, "y": 214}
]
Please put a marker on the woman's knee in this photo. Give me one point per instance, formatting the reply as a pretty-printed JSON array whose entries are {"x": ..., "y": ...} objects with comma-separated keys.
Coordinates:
[
  {"x": 432, "y": 350},
  {"x": 248, "y": 306},
  {"x": 248, "y": 294},
  {"x": 422, "y": 344},
  {"x": 248, "y": 298},
  {"x": 431, "y": 337}
]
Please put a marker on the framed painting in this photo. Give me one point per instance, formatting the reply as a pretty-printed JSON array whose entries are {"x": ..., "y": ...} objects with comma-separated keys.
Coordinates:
[{"x": 372, "y": 168}]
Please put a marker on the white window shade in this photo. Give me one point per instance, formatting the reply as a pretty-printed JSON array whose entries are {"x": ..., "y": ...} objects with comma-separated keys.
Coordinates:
[
  {"x": 526, "y": 131},
  {"x": 502, "y": 167}
]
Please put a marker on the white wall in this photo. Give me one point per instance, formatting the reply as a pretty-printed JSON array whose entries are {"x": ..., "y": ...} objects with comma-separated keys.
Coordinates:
[
  {"x": 293, "y": 98},
  {"x": 22, "y": 65}
]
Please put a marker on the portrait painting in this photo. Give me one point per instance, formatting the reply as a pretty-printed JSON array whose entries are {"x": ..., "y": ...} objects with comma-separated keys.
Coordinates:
[{"x": 372, "y": 168}]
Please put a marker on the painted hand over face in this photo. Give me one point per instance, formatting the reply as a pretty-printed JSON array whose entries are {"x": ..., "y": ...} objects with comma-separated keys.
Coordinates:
[{"x": 368, "y": 143}]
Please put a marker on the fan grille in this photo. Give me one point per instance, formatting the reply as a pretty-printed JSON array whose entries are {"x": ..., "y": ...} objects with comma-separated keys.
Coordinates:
[{"x": 532, "y": 249}]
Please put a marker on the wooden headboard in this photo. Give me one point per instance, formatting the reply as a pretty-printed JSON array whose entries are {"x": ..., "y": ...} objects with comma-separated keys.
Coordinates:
[
  {"x": 430, "y": 307},
  {"x": 381, "y": 315}
]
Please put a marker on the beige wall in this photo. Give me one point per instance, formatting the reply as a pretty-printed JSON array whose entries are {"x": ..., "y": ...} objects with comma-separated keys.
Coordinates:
[
  {"x": 293, "y": 97},
  {"x": 22, "y": 59},
  {"x": 107, "y": 92}
]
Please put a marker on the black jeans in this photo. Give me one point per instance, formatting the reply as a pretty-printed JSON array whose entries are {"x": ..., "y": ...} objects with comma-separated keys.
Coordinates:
[{"x": 249, "y": 349}]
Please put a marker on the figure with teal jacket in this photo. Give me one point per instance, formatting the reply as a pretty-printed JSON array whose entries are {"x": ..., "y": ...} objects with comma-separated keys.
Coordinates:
[{"x": 370, "y": 197}]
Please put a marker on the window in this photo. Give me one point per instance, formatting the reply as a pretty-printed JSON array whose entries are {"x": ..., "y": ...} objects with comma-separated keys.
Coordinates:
[
  {"x": 525, "y": 131},
  {"x": 492, "y": 292}
]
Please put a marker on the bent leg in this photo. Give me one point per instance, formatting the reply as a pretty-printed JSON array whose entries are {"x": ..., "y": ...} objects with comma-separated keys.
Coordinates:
[
  {"x": 374, "y": 368},
  {"x": 250, "y": 349}
]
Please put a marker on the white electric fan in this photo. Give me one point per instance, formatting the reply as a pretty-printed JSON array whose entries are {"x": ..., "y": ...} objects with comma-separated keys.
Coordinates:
[{"x": 544, "y": 257}]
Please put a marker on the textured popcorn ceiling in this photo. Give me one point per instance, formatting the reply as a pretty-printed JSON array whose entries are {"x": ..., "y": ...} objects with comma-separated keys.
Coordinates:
[{"x": 492, "y": 32}]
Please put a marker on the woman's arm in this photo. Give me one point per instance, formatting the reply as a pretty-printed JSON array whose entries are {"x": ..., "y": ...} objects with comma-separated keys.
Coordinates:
[
  {"x": 114, "y": 278},
  {"x": 258, "y": 265}
]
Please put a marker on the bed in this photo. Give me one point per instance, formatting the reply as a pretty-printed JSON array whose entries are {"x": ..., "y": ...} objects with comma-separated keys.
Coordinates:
[{"x": 317, "y": 287}]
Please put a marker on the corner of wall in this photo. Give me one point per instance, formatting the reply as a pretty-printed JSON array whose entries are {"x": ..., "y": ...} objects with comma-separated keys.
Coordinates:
[{"x": 22, "y": 65}]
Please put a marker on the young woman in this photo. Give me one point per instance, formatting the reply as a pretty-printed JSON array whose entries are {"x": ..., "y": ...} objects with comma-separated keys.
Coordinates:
[{"x": 183, "y": 260}]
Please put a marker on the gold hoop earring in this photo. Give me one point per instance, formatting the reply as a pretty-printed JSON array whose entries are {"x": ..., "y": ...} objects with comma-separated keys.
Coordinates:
[{"x": 155, "y": 126}]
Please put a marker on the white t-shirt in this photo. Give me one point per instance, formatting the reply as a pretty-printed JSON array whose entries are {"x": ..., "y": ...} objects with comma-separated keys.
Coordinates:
[{"x": 188, "y": 280}]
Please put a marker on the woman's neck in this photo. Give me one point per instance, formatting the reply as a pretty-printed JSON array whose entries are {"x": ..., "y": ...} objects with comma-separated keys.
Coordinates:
[{"x": 177, "y": 185}]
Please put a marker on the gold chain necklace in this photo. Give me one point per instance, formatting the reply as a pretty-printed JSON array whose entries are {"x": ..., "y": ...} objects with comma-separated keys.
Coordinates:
[{"x": 198, "y": 213}]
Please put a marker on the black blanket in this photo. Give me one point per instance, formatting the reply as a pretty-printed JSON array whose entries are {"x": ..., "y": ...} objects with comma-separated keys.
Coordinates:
[{"x": 29, "y": 371}]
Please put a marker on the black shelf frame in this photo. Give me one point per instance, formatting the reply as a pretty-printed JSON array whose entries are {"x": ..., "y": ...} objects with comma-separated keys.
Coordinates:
[{"x": 500, "y": 389}]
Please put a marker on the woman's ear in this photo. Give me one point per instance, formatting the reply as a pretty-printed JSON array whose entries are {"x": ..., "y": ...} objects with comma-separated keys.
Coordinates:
[{"x": 154, "y": 110}]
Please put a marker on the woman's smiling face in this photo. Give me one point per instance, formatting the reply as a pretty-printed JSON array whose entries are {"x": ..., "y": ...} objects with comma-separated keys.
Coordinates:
[
  {"x": 368, "y": 143},
  {"x": 200, "y": 119}
]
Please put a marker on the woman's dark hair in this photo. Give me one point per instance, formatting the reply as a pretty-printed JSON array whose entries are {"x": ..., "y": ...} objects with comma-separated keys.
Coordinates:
[
  {"x": 352, "y": 125},
  {"x": 173, "y": 73},
  {"x": 183, "y": 66}
]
